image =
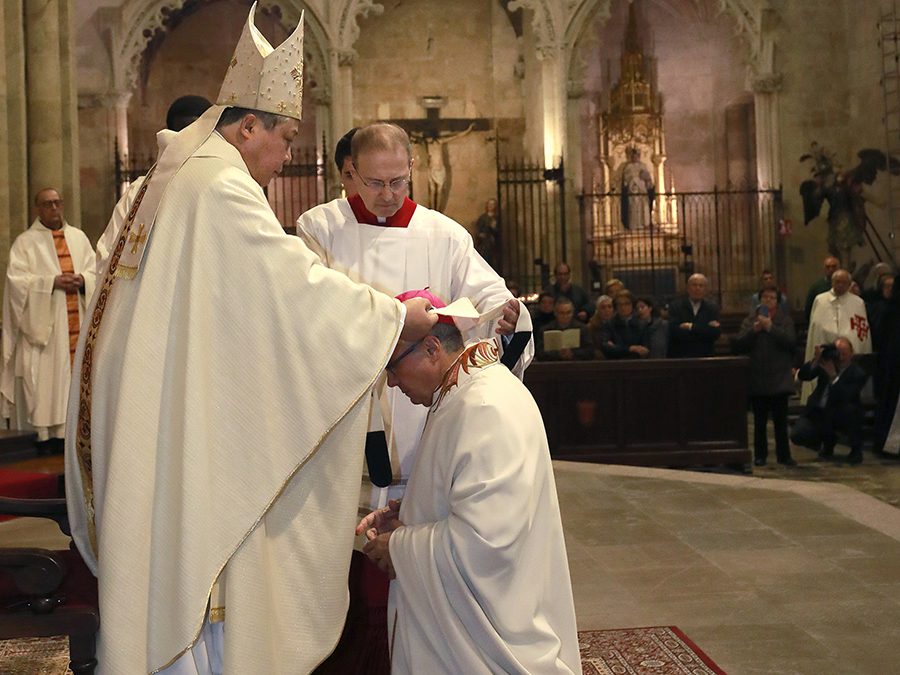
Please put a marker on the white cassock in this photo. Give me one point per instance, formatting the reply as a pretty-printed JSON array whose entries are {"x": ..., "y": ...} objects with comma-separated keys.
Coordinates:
[
  {"x": 36, "y": 328},
  {"x": 433, "y": 251},
  {"x": 832, "y": 317},
  {"x": 229, "y": 405},
  {"x": 482, "y": 581}
]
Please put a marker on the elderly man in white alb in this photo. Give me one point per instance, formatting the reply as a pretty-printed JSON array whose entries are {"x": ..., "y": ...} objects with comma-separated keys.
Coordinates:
[
  {"x": 481, "y": 581},
  {"x": 214, "y": 435},
  {"x": 49, "y": 279},
  {"x": 837, "y": 313}
]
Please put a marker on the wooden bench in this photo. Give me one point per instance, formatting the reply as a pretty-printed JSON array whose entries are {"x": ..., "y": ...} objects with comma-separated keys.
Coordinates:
[{"x": 666, "y": 413}]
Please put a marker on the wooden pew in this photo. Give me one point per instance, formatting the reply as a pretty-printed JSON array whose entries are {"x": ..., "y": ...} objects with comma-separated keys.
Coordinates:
[{"x": 666, "y": 413}]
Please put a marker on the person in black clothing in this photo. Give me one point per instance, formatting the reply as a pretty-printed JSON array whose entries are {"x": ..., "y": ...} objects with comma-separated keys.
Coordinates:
[
  {"x": 656, "y": 330},
  {"x": 887, "y": 369},
  {"x": 542, "y": 314},
  {"x": 835, "y": 405},
  {"x": 623, "y": 336},
  {"x": 767, "y": 336},
  {"x": 564, "y": 288},
  {"x": 693, "y": 322},
  {"x": 565, "y": 319}
]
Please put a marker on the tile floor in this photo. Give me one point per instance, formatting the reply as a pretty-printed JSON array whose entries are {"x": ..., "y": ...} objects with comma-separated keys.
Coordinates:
[{"x": 792, "y": 570}]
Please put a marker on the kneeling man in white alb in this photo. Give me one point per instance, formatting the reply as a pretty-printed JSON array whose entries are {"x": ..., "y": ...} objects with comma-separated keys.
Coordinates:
[{"x": 475, "y": 550}]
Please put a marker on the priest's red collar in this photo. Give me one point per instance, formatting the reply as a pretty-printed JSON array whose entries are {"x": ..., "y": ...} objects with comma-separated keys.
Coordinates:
[{"x": 400, "y": 219}]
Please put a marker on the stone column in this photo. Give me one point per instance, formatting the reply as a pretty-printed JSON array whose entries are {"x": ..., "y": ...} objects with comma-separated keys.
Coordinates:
[
  {"x": 553, "y": 97},
  {"x": 51, "y": 102},
  {"x": 768, "y": 142},
  {"x": 14, "y": 201},
  {"x": 341, "y": 109}
]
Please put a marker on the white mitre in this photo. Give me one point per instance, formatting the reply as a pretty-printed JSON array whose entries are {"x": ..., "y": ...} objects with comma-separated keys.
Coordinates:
[{"x": 263, "y": 78}]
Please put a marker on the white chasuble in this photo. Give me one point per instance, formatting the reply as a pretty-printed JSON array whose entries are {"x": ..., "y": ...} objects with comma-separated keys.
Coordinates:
[
  {"x": 229, "y": 404},
  {"x": 433, "y": 251},
  {"x": 482, "y": 580},
  {"x": 35, "y": 323},
  {"x": 835, "y": 316}
]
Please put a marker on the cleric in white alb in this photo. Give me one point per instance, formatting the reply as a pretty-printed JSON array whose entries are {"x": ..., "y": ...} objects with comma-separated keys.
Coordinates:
[
  {"x": 481, "y": 580},
  {"x": 381, "y": 237},
  {"x": 49, "y": 279}
]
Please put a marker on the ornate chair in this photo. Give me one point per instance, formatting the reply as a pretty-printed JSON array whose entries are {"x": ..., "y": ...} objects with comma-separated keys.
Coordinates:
[{"x": 45, "y": 593}]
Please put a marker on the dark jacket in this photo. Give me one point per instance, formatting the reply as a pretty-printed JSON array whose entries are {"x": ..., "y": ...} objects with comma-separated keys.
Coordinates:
[
  {"x": 584, "y": 353},
  {"x": 618, "y": 335},
  {"x": 656, "y": 338},
  {"x": 771, "y": 354},
  {"x": 576, "y": 294},
  {"x": 700, "y": 340},
  {"x": 844, "y": 392}
]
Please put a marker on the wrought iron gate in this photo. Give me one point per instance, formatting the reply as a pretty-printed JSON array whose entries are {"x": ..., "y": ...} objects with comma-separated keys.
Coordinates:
[
  {"x": 728, "y": 235},
  {"x": 531, "y": 214}
]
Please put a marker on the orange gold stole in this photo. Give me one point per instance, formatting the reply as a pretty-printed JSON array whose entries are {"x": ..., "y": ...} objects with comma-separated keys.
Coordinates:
[{"x": 66, "y": 267}]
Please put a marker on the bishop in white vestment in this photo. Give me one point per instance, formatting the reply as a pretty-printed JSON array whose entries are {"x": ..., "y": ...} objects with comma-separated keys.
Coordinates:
[
  {"x": 214, "y": 435},
  {"x": 481, "y": 577},
  {"x": 41, "y": 319},
  {"x": 837, "y": 313}
]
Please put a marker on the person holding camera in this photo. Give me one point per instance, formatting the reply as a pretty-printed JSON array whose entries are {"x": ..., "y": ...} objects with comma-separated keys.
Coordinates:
[
  {"x": 834, "y": 405},
  {"x": 767, "y": 336}
]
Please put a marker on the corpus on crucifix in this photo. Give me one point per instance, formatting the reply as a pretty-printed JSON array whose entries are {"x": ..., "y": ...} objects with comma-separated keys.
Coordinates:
[{"x": 434, "y": 133}]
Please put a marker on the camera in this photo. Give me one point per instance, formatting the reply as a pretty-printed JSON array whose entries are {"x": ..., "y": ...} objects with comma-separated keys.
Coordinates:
[{"x": 829, "y": 353}]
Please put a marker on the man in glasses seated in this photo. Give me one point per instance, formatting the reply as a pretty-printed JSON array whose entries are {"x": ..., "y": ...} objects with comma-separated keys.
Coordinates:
[{"x": 475, "y": 548}]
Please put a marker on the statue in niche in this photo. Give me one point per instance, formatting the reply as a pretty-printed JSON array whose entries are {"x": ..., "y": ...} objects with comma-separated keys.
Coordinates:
[
  {"x": 638, "y": 191},
  {"x": 438, "y": 165},
  {"x": 846, "y": 193}
]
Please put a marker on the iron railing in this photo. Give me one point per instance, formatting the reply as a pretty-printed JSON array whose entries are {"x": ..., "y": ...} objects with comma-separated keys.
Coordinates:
[
  {"x": 728, "y": 235},
  {"x": 532, "y": 221}
]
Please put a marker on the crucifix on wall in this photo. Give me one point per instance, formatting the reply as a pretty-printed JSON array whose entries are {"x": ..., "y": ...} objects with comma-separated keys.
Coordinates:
[{"x": 434, "y": 133}]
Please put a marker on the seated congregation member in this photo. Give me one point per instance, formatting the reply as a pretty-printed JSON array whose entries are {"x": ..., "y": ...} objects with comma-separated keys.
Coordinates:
[
  {"x": 656, "y": 330},
  {"x": 693, "y": 321},
  {"x": 564, "y": 320},
  {"x": 834, "y": 405},
  {"x": 475, "y": 549},
  {"x": 542, "y": 313},
  {"x": 564, "y": 288},
  {"x": 623, "y": 336},
  {"x": 768, "y": 336},
  {"x": 603, "y": 312}
]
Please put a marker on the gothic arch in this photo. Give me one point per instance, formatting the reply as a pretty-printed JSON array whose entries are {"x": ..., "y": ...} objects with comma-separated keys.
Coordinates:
[{"x": 138, "y": 21}]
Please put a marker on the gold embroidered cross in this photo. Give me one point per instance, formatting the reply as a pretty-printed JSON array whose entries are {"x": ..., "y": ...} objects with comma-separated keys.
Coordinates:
[
  {"x": 296, "y": 73},
  {"x": 137, "y": 239},
  {"x": 281, "y": 106}
]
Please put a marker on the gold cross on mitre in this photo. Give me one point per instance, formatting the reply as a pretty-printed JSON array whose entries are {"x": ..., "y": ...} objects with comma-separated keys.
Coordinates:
[{"x": 137, "y": 238}]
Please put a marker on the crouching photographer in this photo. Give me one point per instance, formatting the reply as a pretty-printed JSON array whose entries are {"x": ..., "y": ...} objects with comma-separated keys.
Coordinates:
[{"x": 835, "y": 405}]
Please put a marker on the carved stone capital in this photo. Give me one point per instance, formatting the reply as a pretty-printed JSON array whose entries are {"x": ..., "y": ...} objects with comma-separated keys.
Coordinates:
[
  {"x": 766, "y": 83},
  {"x": 546, "y": 52},
  {"x": 346, "y": 57}
]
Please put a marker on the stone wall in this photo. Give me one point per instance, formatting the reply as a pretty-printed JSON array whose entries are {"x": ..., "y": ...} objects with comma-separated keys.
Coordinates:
[{"x": 408, "y": 52}]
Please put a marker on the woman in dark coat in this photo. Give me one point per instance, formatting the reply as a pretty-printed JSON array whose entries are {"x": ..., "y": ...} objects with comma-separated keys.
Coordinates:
[{"x": 768, "y": 337}]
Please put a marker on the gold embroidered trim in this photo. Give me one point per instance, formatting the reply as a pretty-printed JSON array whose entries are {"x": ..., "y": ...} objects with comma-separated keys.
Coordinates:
[
  {"x": 479, "y": 355},
  {"x": 83, "y": 437},
  {"x": 216, "y": 614}
]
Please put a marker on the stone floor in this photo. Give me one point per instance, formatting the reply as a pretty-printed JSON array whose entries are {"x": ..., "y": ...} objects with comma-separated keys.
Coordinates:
[
  {"x": 791, "y": 570},
  {"x": 795, "y": 575}
]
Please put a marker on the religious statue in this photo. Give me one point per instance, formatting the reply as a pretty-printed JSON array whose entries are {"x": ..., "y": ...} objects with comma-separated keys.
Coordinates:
[
  {"x": 846, "y": 194},
  {"x": 486, "y": 234},
  {"x": 438, "y": 169},
  {"x": 638, "y": 191}
]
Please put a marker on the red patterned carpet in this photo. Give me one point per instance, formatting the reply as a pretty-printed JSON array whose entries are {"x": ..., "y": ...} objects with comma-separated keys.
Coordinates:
[{"x": 658, "y": 650}]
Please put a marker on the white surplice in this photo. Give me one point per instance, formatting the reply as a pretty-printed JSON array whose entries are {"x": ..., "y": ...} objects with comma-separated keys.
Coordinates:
[
  {"x": 434, "y": 251},
  {"x": 482, "y": 580},
  {"x": 835, "y": 316},
  {"x": 36, "y": 326},
  {"x": 229, "y": 407}
]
